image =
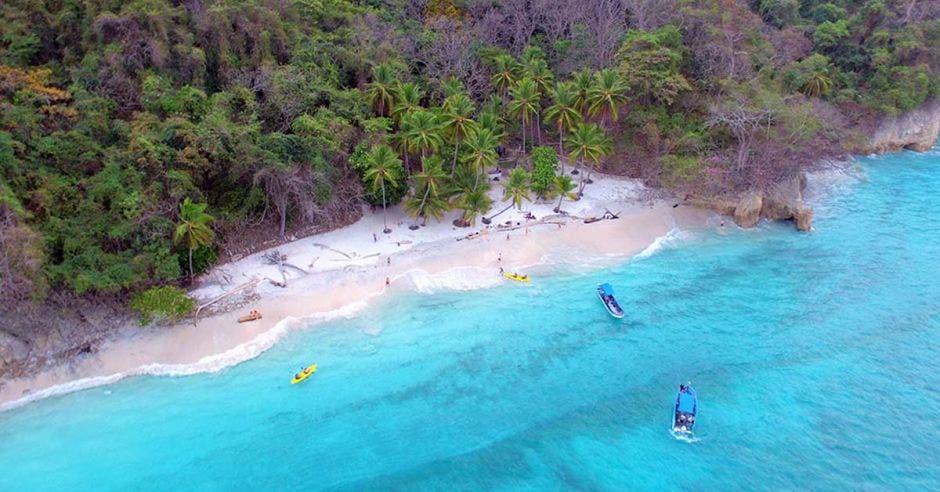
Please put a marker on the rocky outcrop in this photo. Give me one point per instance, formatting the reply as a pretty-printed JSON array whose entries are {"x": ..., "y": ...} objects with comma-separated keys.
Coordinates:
[
  {"x": 916, "y": 130},
  {"x": 13, "y": 351},
  {"x": 748, "y": 210},
  {"x": 784, "y": 201}
]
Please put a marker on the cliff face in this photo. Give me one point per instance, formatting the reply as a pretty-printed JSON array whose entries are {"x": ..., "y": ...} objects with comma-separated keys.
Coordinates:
[
  {"x": 782, "y": 202},
  {"x": 916, "y": 130}
]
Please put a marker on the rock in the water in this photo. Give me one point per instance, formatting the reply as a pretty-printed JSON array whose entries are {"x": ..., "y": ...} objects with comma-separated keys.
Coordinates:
[
  {"x": 803, "y": 218},
  {"x": 747, "y": 212}
]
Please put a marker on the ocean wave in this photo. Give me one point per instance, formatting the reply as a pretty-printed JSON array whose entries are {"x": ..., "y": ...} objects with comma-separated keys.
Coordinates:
[
  {"x": 674, "y": 235},
  {"x": 208, "y": 364},
  {"x": 459, "y": 278}
]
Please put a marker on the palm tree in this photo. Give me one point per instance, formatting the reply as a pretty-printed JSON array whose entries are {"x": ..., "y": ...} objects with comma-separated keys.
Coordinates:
[
  {"x": 401, "y": 139},
  {"x": 451, "y": 86},
  {"x": 524, "y": 104},
  {"x": 428, "y": 185},
  {"x": 408, "y": 98},
  {"x": 381, "y": 90},
  {"x": 564, "y": 186},
  {"x": 193, "y": 228},
  {"x": 482, "y": 145},
  {"x": 424, "y": 133},
  {"x": 607, "y": 94},
  {"x": 384, "y": 168},
  {"x": 583, "y": 80},
  {"x": 515, "y": 190},
  {"x": 564, "y": 112},
  {"x": 818, "y": 85},
  {"x": 505, "y": 71},
  {"x": 474, "y": 202},
  {"x": 538, "y": 71},
  {"x": 457, "y": 122},
  {"x": 587, "y": 141}
]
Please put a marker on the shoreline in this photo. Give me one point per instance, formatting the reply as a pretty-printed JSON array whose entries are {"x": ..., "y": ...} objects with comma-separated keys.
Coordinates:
[{"x": 436, "y": 257}]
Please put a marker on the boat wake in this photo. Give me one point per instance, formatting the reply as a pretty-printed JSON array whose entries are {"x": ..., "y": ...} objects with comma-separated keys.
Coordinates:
[{"x": 683, "y": 436}]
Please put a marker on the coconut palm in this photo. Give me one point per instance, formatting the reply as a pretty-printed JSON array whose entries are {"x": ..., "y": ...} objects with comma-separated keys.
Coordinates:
[
  {"x": 583, "y": 80},
  {"x": 451, "y": 86},
  {"x": 564, "y": 111},
  {"x": 457, "y": 122},
  {"x": 607, "y": 94},
  {"x": 524, "y": 104},
  {"x": 474, "y": 202},
  {"x": 401, "y": 140},
  {"x": 589, "y": 142},
  {"x": 481, "y": 150},
  {"x": 424, "y": 133},
  {"x": 381, "y": 90},
  {"x": 516, "y": 189},
  {"x": 193, "y": 228},
  {"x": 505, "y": 73},
  {"x": 565, "y": 187},
  {"x": 428, "y": 185},
  {"x": 539, "y": 72},
  {"x": 819, "y": 84},
  {"x": 408, "y": 98},
  {"x": 385, "y": 169}
]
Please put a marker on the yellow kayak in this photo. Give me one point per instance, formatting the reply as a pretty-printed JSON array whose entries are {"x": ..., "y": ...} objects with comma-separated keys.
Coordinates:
[
  {"x": 517, "y": 277},
  {"x": 300, "y": 376}
]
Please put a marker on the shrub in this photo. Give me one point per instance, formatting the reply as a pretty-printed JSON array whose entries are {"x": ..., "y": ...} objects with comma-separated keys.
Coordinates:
[
  {"x": 165, "y": 302},
  {"x": 544, "y": 161}
]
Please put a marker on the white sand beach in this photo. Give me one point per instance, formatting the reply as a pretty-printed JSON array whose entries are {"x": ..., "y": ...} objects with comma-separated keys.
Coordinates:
[{"x": 344, "y": 269}]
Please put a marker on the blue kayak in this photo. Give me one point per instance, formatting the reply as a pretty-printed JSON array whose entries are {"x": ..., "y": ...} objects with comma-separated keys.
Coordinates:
[
  {"x": 686, "y": 409},
  {"x": 606, "y": 293}
]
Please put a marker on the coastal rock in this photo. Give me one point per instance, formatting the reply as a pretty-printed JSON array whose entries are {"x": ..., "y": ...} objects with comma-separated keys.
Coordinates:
[
  {"x": 803, "y": 218},
  {"x": 916, "y": 130},
  {"x": 12, "y": 351},
  {"x": 783, "y": 201},
  {"x": 748, "y": 210}
]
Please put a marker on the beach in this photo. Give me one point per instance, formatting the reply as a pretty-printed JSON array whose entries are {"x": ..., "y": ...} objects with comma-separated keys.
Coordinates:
[{"x": 338, "y": 273}]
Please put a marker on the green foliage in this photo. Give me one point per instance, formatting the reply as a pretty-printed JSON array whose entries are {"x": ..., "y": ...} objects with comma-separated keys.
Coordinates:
[
  {"x": 544, "y": 162},
  {"x": 650, "y": 63},
  {"x": 516, "y": 189},
  {"x": 679, "y": 170},
  {"x": 159, "y": 303}
]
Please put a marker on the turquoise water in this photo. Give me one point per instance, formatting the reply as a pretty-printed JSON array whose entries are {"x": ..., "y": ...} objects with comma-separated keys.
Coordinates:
[{"x": 815, "y": 357}]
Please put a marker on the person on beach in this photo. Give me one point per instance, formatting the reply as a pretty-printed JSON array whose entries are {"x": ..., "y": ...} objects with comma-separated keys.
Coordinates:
[
  {"x": 499, "y": 257},
  {"x": 501, "y": 270},
  {"x": 507, "y": 236},
  {"x": 388, "y": 260},
  {"x": 375, "y": 238},
  {"x": 386, "y": 281}
]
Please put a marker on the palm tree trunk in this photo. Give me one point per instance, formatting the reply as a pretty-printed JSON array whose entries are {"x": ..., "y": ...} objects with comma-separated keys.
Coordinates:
[
  {"x": 283, "y": 220},
  {"x": 421, "y": 208},
  {"x": 453, "y": 166},
  {"x": 497, "y": 214},
  {"x": 560, "y": 198},
  {"x": 190, "y": 263},
  {"x": 538, "y": 127},
  {"x": 523, "y": 137},
  {"x": 561, "y": 138},
  {"x": 384, "y": 211}
]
